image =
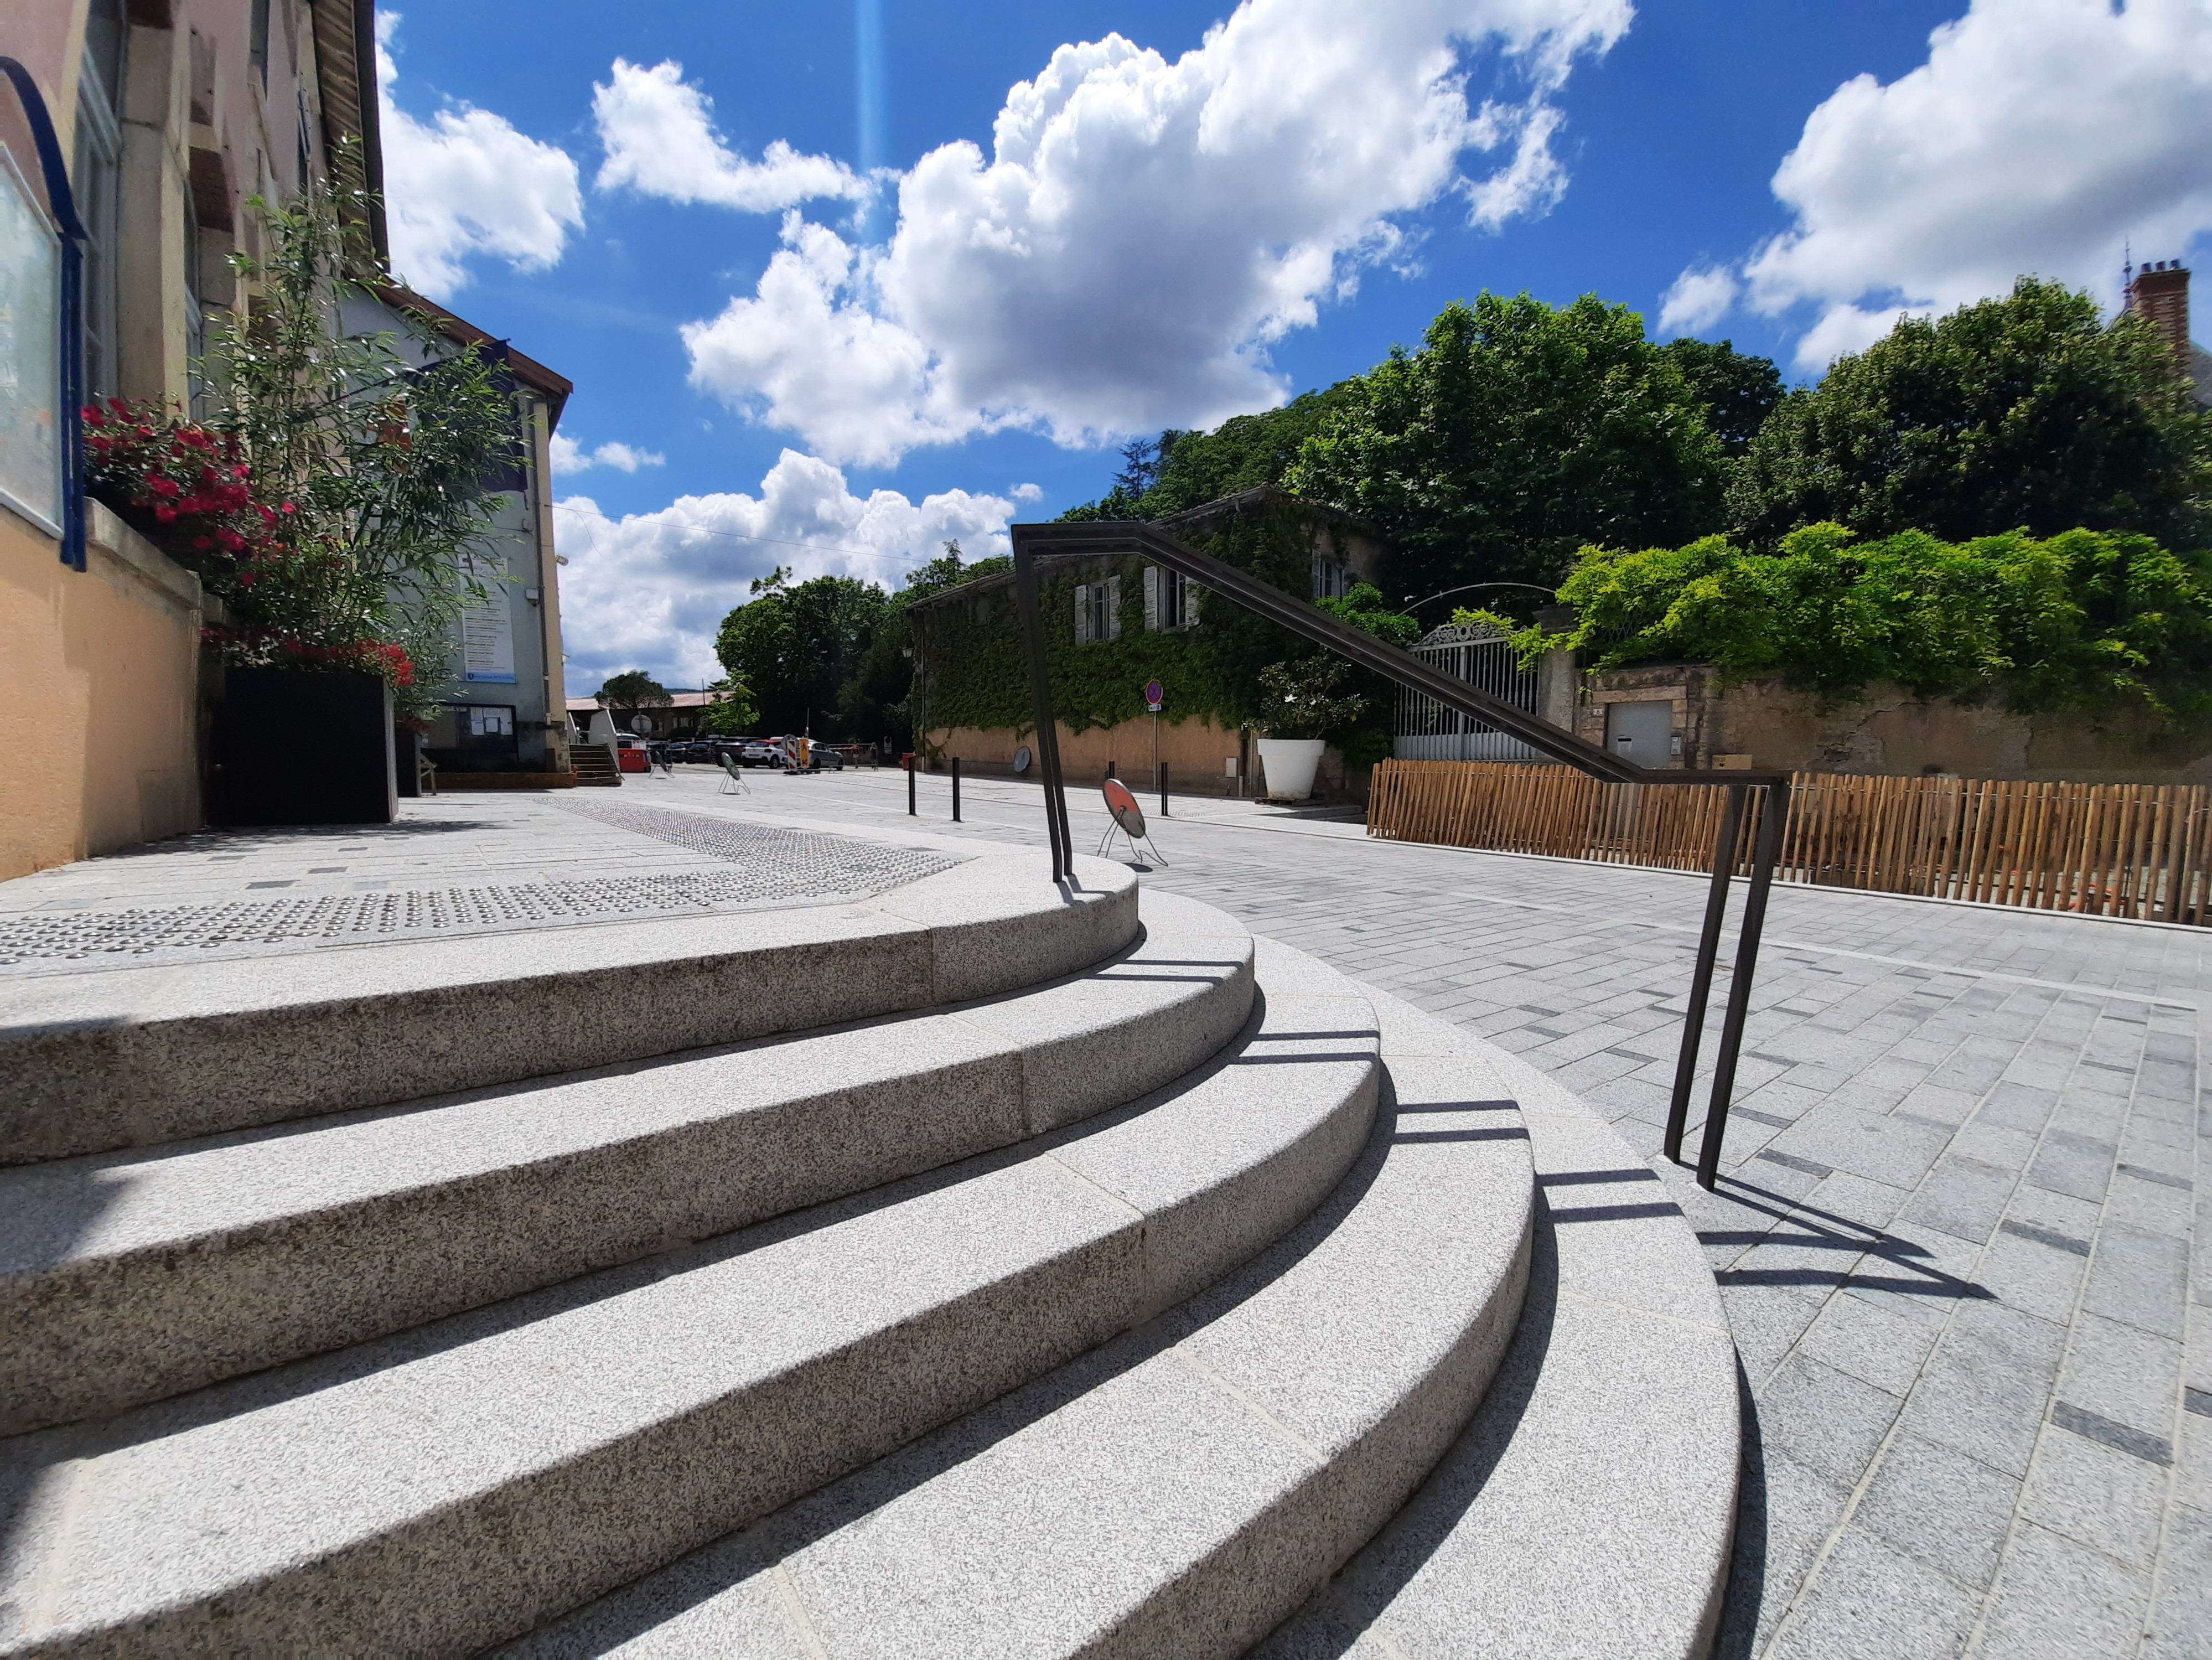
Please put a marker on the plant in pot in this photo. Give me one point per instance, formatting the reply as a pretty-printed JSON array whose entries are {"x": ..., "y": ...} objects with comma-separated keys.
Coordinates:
[
  {"x": 331, "y": 497},
  {"x": 1301, "y": 704}
]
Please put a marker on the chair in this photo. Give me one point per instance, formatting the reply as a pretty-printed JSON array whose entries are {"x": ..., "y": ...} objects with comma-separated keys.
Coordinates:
[
  {"x": 733, "y": 778},
  {"x": 426, "y": 774},
  {"x": 1128, "y": 818}
]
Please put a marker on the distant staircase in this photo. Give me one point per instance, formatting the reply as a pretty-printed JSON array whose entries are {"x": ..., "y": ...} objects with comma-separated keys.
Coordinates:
[
  {"x": 1122, "y": 1285},
  {"x": 595, "y": 764}
]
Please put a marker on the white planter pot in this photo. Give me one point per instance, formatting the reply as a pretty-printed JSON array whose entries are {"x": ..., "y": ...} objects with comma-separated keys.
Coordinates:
[{"x": 1289, "y": 763}]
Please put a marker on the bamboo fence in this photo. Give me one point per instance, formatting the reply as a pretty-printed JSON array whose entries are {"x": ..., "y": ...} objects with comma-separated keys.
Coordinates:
[{"x": 2136, "y": 850}]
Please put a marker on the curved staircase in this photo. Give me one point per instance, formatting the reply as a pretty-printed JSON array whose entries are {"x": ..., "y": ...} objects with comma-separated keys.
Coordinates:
[{"x": 986, "y": 1268}]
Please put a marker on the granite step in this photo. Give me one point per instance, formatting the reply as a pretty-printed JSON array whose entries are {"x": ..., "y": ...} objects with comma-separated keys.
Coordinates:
[
  {"x": 1177, "y": 1492},
  {"x": 456, "y": 1485},
  {"x": 126, "y": 1277},
  {"x": 99, "y": 1059},
  {"x": 1589, "y": 1507}
]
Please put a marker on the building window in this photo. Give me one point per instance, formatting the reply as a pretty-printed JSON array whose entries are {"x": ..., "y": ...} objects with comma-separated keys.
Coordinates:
[
  {"x": 1168, "y": 602},
  {"x": 257, "y": 40},
  {"x": 97, "y": 184},
  {"x": 1332, "y": 578},
  {"x": 1098, "y": 611}
]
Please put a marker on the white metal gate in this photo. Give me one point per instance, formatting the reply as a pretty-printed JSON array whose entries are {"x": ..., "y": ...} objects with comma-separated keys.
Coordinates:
[{"x": 1479, "y": 654}]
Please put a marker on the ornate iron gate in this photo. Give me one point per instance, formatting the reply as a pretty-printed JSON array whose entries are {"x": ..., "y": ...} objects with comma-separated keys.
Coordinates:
[{"x": 1479, "y": 654}]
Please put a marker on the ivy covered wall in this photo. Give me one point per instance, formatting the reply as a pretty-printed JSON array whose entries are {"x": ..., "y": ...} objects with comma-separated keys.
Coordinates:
[{"x": 977, "y": 676}]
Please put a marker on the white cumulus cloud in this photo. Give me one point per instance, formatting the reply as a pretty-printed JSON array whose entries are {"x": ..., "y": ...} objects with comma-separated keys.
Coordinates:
[
  {"x": 569, "y": 456},
  {"x": 649, "y": 590},
  {"x": 659, "y": 132},
  {"x": 1142, "y": 230},
  {"x": 1697, "y": 299},
  {"x": 2039, "y": 137},
  {"x": 465, "y": 183}
]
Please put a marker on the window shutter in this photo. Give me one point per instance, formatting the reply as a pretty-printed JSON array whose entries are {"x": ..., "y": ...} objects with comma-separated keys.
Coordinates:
[
  {"x": 1082, "y": 613},
  {"x": 1113, "y": 608},
  {"x": 1151, "y": 598}
]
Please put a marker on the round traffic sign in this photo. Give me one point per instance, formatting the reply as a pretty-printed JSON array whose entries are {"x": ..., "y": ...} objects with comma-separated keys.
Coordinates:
[{"x": 1154, "y": 694}]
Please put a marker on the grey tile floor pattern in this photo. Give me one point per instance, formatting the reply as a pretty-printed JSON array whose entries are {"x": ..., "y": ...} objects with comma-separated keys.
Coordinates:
[
  {"x": 254, "y": 890},
  {"x": 1961, "y": 1188}
]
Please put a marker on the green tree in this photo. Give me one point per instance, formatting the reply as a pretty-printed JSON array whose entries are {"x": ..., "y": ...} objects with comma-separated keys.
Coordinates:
[
  {"x": 730, "y": 711},
  {"x": 795, "y": 645},
  {"x": 624, "y": 695},
  {"x": 2099, "y": 622},
  {"x": 2027, "y": 412},
  {"x": 1738, "y": 390},
  {"x": 1179, "y": 469},
  {"x": 1517, "y": 435}
]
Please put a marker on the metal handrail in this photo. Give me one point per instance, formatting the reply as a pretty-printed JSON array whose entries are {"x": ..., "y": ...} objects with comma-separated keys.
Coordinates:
[{"x": 1032, "y": 542}]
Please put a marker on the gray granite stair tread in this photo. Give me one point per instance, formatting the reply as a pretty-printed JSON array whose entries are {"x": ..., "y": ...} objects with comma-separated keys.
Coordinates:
[
  {"x": 125, "y": 1277},
  {"x": 458, "y": 1484},
  {"x": 100, "y": 1060}
]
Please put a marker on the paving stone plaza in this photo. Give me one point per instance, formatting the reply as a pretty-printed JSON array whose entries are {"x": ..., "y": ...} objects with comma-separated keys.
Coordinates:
[{"x": 1952, "y": 1237}]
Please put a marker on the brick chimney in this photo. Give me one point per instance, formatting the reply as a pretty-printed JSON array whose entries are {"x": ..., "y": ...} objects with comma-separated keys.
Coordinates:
[{"x": 2160, "y": 292}]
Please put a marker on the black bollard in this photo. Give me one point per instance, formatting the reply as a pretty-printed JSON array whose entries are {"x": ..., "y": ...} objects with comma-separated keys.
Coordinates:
[
  {"x": 956, "y": 789},
  {"x": 1164, "y": 789},
  {"x": 910, "y": 786}
]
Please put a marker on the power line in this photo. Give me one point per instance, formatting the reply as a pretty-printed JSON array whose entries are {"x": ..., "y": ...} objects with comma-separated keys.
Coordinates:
[{"x": 737, "y": 536}]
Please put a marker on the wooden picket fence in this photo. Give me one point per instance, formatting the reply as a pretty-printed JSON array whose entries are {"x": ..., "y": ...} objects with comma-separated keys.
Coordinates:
[{"x": 2138, "y": 850}]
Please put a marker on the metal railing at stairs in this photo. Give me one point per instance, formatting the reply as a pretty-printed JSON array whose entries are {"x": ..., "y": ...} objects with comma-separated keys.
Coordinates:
[{"x": 1034, "y": 543}]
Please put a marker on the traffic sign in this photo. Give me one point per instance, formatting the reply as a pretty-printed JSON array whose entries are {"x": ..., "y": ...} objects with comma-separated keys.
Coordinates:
[{"x": 1154, "y": 696}]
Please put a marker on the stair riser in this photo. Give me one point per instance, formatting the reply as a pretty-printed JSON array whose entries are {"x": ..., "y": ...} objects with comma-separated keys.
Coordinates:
[
  {"x": 461, "y": 1014},
  {"x": 91, "y": 1338},
  {"x": 484, "y": 1563}
]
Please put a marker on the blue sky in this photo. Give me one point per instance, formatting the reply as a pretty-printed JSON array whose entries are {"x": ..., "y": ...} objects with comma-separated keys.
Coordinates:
[{"x": 807, "y": 326}]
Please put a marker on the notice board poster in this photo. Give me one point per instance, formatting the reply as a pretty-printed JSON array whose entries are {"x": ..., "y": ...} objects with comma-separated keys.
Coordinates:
[{"x": 488, "y": 642}]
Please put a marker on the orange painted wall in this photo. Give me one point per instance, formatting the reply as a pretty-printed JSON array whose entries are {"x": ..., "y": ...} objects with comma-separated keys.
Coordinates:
[{"x": 100, "y": 671}]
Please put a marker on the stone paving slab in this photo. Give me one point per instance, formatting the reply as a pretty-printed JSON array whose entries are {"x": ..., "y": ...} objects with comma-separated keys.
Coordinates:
[{"x": 1955, "y": 1234}]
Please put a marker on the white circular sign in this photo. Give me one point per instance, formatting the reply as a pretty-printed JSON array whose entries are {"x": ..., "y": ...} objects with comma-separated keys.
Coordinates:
[
  {"x": 1022, "y": 758},
  {"x": 641, "y": 724}
]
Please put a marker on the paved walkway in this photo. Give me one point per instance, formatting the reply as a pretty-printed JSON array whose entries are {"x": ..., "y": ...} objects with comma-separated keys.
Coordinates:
[{"x": 1960, "y": 1189}]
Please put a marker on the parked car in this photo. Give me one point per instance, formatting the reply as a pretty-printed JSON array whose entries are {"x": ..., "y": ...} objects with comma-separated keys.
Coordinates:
[
  {"x": 631, "y": 755},
  {"x": 760, "y": 752}
]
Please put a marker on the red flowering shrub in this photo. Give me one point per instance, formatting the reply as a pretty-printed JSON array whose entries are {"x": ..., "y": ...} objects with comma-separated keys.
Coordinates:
[{"x": 185, "y": 488}]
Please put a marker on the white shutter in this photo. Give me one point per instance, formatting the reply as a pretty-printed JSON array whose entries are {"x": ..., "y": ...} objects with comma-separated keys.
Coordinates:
[
  {"x": 1151, "y": 598},
  {"x": 1082, "y": 613},
  {"x": 1113, "y": 608}
]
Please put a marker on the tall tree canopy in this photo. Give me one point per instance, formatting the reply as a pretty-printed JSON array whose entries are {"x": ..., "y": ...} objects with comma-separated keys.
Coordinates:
[
  {"x": 1178, "y": 470},
  {"x": 1517, "y": 434},
  {"x": 795, "y": 645},
  {"x": 2027, "y": 413},
  {"x": 633, "y": 689},
  {"x": 1738, "y": 389}
]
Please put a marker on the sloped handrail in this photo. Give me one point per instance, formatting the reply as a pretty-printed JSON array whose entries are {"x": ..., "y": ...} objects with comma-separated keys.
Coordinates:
[{"x": 1032, "y": 542}]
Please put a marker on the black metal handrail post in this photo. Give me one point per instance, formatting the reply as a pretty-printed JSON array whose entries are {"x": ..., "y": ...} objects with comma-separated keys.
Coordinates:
[
  {"x": 1032, "y": 542},
  {"x": 956, "y": 789},
  {"x": 1701, "y": 981},
  {"x": 1775, "y": 809}
]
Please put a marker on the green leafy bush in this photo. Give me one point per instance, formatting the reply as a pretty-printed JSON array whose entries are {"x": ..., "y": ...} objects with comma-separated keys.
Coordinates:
[{"x": 2100, "y": 623}]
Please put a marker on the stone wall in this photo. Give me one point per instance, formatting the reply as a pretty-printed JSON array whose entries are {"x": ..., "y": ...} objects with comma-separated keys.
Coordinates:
[
  {"x": 1886, "y": 732},
  {"x": 1195, "y": 751}
]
